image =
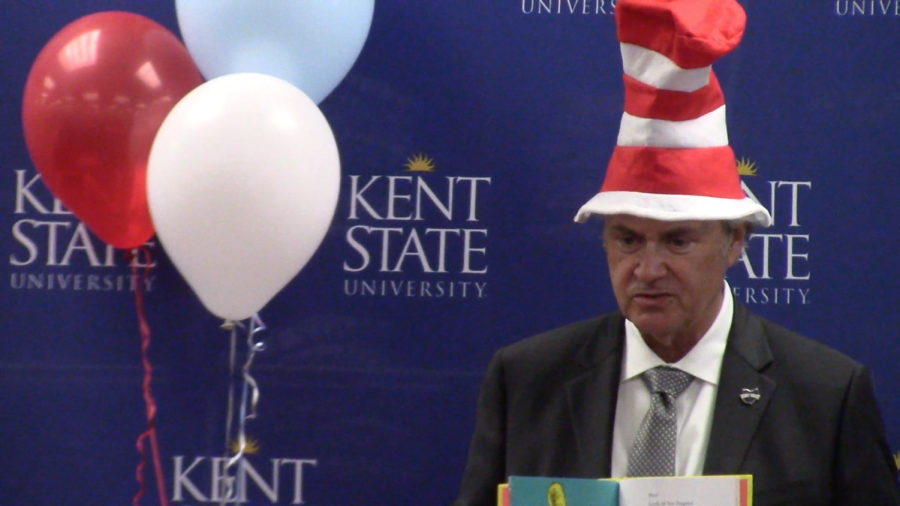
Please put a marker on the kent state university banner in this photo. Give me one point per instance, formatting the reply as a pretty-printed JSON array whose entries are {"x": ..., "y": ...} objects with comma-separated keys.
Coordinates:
[{"x": 469, "y": 135}]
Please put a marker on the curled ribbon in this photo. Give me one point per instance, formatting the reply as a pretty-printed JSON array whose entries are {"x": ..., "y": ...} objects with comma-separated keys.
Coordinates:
[
  {"x": 149, "y": 403},
  {"x": 250, "y": 395},
  {"x": 228, "y": 480}
]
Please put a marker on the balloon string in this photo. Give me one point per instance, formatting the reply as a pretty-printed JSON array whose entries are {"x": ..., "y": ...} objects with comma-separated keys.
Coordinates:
[
  {"x": 139, "y": 473},
  {"x": 140, "y": 282},
  {"x": 250, "y": 391},
  {"x": 227, "y": 480}
]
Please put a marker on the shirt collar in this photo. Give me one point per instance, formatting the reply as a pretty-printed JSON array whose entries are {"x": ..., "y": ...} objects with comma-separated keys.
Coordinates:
[{"x": 704, "y": 361}]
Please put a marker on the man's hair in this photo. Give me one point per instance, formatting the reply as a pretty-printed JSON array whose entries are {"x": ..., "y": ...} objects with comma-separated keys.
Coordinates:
[{"x": 729, "y": 226}]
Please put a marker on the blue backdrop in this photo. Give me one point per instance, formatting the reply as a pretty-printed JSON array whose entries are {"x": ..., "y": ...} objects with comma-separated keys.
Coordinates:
[{"x": 373, "y": 363}]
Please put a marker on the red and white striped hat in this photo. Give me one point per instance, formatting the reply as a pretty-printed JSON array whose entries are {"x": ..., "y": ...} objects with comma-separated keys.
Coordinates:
[{"x": 672, "y": 161}]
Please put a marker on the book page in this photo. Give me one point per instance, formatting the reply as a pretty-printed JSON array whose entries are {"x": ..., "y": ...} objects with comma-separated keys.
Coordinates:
[{"x": 686, "y": 491}]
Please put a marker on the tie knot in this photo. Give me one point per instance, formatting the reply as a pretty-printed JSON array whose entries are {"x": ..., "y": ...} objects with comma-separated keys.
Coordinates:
[{"x": 667, "y": 380}]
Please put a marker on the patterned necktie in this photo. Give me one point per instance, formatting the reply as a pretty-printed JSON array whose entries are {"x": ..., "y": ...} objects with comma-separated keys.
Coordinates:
[{"x": 653, "y": 453}]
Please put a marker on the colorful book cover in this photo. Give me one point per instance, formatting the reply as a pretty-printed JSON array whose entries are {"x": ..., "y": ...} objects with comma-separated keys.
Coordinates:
[
  {"x": 524, "y": 491},
  {"x": 652, "y": 491},
  {"x": 503, "y": 494}
]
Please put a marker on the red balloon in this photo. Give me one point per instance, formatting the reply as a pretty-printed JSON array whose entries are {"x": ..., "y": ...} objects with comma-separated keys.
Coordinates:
[{"x": 95, "y": 98}]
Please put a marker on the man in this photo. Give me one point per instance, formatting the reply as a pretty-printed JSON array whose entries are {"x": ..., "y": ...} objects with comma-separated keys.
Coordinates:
[{"x": 753, "y": 398}]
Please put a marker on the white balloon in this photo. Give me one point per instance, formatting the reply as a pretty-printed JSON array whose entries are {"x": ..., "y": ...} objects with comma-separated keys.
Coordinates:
[{"x": 242, "y": 184}]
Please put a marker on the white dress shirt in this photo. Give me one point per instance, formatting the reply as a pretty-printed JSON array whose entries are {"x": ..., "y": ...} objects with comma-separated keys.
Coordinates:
[{"x": 693, "y": 408}]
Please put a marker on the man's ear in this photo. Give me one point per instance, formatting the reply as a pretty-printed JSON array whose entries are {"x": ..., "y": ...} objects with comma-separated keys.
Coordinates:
[{"x": 736, "y": 242}]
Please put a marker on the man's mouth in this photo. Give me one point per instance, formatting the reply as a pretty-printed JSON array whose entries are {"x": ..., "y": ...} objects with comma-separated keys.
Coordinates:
[{"x": 650, "y": 298}]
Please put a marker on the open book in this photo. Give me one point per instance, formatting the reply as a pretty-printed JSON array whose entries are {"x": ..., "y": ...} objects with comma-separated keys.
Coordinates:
[{"x": 656, "y": 491}]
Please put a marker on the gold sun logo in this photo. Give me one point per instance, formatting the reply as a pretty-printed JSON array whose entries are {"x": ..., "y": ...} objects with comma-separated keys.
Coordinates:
[
  {"x": 419, "y": 163},
  {"x": 250, "y": 446},
  {"x": 745, "y": 167}
]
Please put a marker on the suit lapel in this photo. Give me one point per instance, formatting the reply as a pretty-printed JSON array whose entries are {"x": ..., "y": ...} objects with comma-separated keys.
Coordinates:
[
  {"x": 734, "y": 420},
  {"x": 592, "y": 397}
]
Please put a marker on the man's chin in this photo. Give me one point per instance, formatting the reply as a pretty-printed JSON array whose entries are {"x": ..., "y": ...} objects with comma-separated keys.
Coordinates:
[{"x": 652, "y": 323}]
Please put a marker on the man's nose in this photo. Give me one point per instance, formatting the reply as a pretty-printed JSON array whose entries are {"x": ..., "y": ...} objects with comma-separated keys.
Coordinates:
[{"x": 651, "y": 264}]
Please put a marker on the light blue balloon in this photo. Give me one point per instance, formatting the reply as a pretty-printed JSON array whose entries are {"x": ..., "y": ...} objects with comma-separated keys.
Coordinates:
[{"x": 309, "y": 43}]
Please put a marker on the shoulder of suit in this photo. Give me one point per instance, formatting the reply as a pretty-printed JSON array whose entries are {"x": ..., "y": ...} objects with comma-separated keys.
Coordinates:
[
  {"x": 792, "y": 351},
  {"x": 563, "y": 343}
]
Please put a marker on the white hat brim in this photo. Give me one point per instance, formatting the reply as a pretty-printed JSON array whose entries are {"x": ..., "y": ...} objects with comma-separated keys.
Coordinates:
[{"x": 674, "y": 207}]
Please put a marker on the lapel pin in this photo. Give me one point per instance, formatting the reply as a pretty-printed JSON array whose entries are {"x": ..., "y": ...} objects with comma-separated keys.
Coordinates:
[{"x": 749, "y": 396}]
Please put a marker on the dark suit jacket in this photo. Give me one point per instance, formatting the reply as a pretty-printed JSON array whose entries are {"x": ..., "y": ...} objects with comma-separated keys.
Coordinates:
[{"x": 815, "y": 437}]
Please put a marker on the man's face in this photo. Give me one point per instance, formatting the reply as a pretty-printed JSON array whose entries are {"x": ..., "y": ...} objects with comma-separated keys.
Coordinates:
[{"x": 667, "y": 276}]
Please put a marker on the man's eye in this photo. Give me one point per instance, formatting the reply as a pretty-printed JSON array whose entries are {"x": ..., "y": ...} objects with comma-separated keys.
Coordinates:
[
  {"x": 628, "y": 243},
  {"x": 679, "y": 244}
]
